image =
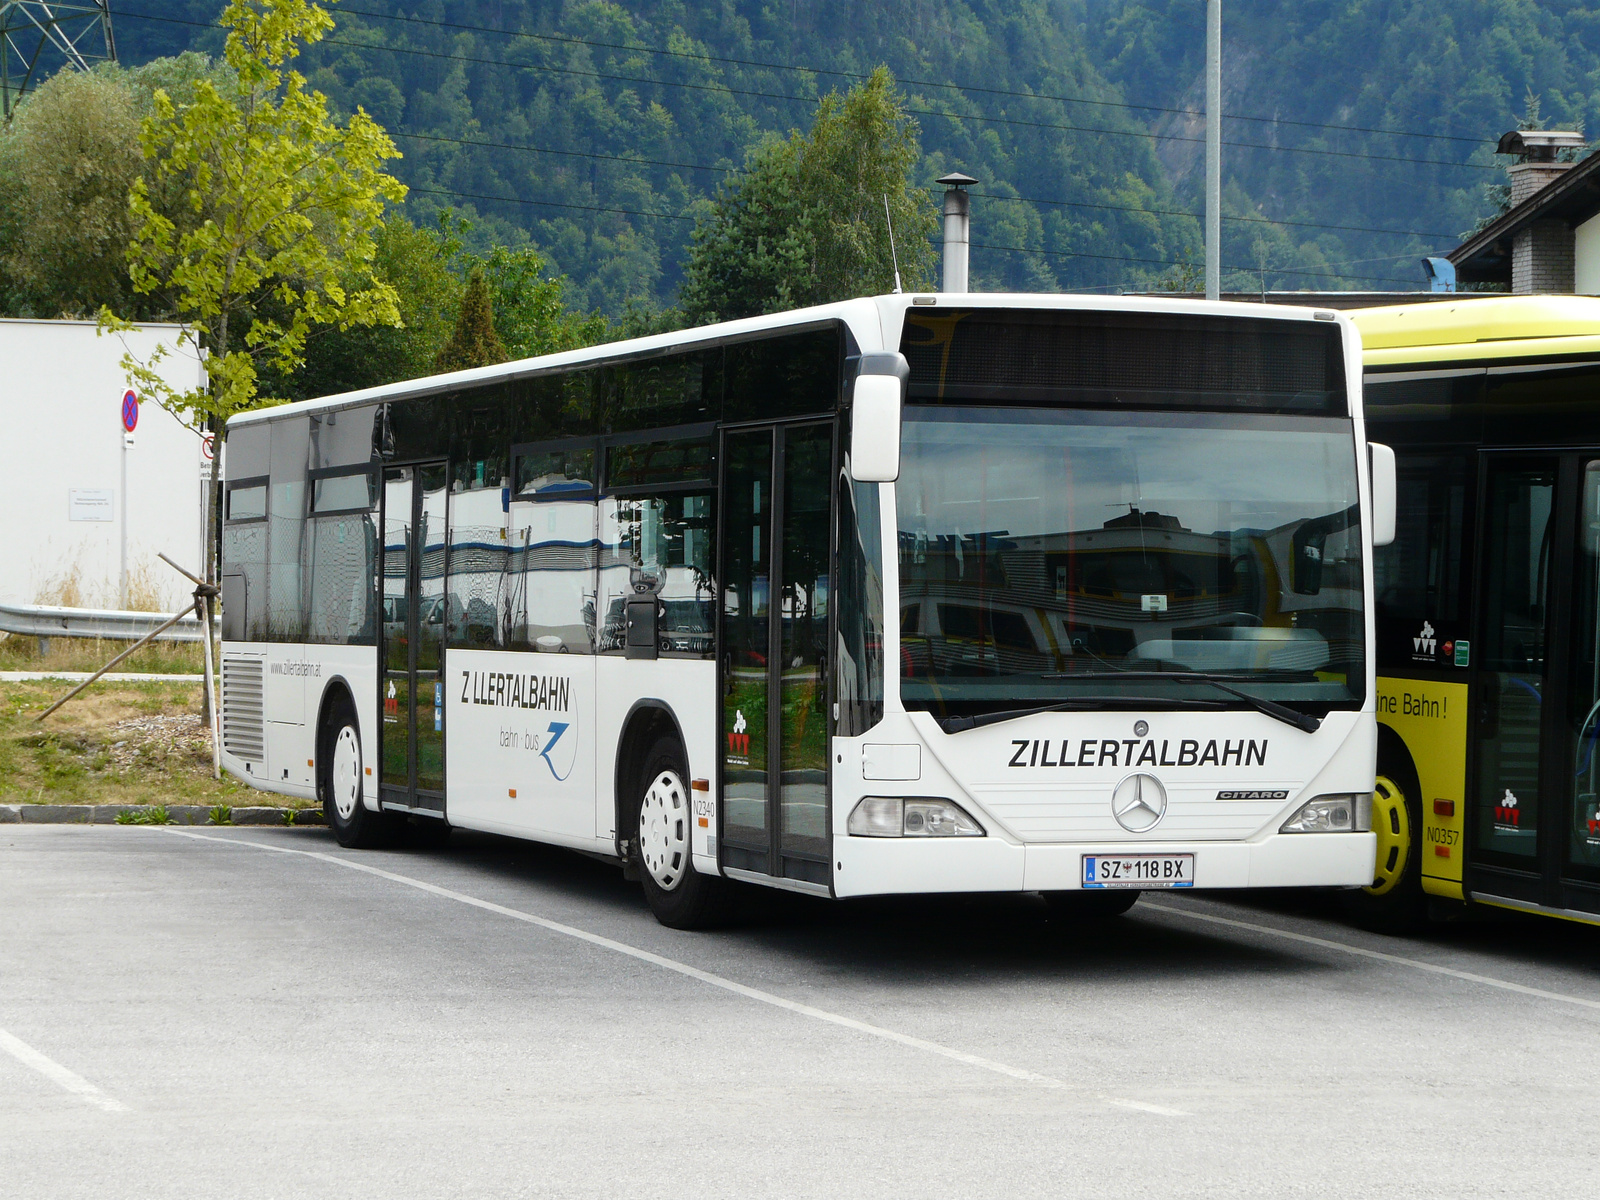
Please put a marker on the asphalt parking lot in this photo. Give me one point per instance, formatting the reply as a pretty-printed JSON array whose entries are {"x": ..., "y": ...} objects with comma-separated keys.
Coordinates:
[{"x": 257, "y": 1012}]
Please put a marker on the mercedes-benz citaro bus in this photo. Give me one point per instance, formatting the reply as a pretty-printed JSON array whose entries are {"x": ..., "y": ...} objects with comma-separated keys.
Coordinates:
[
  {"x": 1488, "y": 608},
  {"x": 914, "y": 594}
]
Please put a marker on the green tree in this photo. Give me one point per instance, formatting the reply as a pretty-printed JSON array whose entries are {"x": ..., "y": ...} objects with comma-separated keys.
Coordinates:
[
  {"x": 285, "y": 204},
  {"x": 474, "y": 342},
  {"x": 68, "y": 160},
  {"x": 421, "y": 264},
  {"x": 804, "y": 223},
  {"x": 530, "y": 307}
]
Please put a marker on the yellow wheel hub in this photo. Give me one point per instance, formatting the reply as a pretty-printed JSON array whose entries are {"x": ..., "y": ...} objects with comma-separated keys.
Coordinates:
[{"x": 1393, "y": 827}]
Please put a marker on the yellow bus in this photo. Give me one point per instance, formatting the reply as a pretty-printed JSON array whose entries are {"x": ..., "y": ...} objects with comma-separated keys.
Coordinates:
[{"x": 1488, "y": 608}]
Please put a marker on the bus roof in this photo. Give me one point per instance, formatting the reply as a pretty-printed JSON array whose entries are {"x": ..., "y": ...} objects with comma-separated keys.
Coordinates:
[
  {"x": 874, "y": 321},
  {"x": 1479, "y": 329}
]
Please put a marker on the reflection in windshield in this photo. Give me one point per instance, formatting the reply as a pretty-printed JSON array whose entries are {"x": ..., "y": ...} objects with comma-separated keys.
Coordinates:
[{"x": 1038, "y": 544}]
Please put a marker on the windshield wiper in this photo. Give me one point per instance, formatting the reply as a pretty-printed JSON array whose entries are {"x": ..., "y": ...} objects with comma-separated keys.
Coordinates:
[
  {"x": 1079, "y": 704},
  {"x": 1282, "y": 712}
]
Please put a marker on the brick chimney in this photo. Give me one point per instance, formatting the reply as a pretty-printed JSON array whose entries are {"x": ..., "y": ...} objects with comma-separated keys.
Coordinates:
[{"x": 1542, "y": 252}]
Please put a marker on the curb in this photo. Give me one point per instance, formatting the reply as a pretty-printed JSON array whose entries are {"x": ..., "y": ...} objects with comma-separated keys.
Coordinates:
[{"x": 178, "y": 814}]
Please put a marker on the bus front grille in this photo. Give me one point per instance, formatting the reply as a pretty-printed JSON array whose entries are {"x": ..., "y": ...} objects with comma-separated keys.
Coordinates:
[{"x": 243, "y": 709}]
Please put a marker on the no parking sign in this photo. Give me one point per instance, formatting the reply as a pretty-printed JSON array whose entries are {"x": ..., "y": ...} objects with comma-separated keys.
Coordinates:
[{"x": 130, "y": 411}]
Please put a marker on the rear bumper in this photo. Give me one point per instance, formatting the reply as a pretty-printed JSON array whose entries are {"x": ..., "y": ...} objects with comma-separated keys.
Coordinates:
[{"x": 878, "y": 866}]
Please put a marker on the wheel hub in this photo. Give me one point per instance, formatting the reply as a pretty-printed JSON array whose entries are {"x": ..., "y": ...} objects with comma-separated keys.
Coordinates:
[
  {"x": 346, "y": 773},
  {"x": 664, "y": 830},
  {"x": 1393, "y": 827}
]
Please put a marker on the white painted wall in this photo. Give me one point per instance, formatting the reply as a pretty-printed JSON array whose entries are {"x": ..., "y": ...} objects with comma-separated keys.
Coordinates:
[
  {"x": 1586, "y": 258},
  {"x": 61, "y": 391}
]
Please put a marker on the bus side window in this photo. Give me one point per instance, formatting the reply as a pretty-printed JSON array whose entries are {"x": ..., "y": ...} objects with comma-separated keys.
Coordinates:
[
  {"x": 548, "y": 594},
  {"x": 1419, "y": 577}
]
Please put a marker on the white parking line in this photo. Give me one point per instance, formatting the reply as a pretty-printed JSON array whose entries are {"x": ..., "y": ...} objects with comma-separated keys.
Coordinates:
[
  {"x": 52, "y": 1070},
  {"x": 707, "y": 977},
  {"x": 1363, "y": 952}
]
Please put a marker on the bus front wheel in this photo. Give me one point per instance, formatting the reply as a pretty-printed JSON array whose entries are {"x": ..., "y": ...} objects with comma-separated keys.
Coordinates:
[
  {"x": 1394, "y": 902},
  {"x": 339, "y": 779},
  {"x": 678, "y": 895}
]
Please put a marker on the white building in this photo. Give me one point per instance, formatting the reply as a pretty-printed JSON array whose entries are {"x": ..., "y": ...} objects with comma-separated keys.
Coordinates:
[{"x": 68, "y": 513}]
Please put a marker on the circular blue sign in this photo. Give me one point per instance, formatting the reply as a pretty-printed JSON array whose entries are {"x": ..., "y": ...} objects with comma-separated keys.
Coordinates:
[{"x": 130, "y": 411}]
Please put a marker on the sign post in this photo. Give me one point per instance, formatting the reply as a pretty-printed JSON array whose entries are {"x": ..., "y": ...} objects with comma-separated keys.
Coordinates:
[{"x": 130, "y": 422}]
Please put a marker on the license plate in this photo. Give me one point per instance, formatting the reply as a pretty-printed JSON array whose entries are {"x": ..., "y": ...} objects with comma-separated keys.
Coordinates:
[{"x": 1138, "y": 870}]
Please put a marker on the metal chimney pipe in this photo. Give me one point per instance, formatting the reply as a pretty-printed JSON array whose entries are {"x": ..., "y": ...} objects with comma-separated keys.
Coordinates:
[{"x": 957, "y": 230}]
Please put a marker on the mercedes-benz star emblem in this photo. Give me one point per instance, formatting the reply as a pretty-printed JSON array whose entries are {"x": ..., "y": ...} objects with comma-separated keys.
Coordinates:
[{"x": 1139, "y": 803}]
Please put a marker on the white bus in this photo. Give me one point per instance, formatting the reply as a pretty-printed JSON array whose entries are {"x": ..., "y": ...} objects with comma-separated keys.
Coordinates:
[{"x": 909, "y": 594}]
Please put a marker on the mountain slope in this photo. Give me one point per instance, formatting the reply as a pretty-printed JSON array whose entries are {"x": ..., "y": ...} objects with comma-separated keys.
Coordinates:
[{"x": 598, "y": 130}]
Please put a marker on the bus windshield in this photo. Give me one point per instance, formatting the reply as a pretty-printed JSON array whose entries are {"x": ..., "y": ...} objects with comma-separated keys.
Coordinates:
[{"x": 1045, "y": 551}]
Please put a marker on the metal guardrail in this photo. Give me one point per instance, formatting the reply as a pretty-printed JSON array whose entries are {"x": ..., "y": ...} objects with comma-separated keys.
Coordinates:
[{"x": 45, "y": 621}]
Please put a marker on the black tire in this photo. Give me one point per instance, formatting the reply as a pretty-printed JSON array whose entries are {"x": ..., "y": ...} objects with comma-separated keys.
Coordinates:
[
  {"x": 341, "y": 780},
  {"x": 1395, "y": 903},
  {"x": 662, "y": 822},
  {"x": 1091, "y": 905}
]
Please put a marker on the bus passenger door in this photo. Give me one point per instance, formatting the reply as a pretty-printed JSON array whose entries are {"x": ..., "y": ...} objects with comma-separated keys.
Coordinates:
[
  {"x": 1517, "y": 715},
  {"x": 412, "y": 647},
  {"x": 776, "y": 591},
  {"x": 1578, "y": 851}
]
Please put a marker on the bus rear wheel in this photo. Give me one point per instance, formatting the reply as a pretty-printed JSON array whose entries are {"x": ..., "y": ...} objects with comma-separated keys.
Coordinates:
[
  {"x": 340, "y": 780},
  {"x": 1394, "y": 902},
  {"x": 678, "y": 895}
]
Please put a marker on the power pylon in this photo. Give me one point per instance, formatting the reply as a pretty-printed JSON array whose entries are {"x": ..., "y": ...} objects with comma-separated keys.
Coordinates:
[{"x": 39, "y": 36}]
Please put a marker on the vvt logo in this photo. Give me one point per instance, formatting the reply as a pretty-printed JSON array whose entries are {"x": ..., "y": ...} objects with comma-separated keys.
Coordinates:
[{"x": 1426, "y": 643}]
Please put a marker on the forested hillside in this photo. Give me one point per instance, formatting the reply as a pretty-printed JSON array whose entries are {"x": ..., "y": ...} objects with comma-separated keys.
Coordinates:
[{"x": 599, "y": 130}]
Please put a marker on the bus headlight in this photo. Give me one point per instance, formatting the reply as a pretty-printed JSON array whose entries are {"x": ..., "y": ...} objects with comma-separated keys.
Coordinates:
[
  {"x": 919, "y": 816},
  {"x": 1339, "y": 813}
]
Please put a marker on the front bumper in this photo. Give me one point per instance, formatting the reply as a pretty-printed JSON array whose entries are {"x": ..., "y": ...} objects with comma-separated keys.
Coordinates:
[{"x": 880, "y": 866}]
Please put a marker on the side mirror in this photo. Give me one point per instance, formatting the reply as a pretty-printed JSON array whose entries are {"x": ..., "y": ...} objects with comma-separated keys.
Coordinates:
[
  {"x": 1384, "y": 493},
  {"x": 875, "y": 418},
  {"x": 641, "y": 636}
]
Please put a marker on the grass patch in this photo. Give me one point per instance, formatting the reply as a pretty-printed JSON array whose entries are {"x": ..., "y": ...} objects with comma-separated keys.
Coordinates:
[
  {"x": 138, "y": 745},
  {"x": 19, "y": 653},
  {"x": 156, "y": 814}
]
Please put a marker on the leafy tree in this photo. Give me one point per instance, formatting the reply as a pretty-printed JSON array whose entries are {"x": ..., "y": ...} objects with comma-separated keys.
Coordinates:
[
  {"x": 285, "y": 202},
  {"x": 421, "y": 264},
  {"x": 426, "y": 266},
  {"x": 805, "y": 221},
  {"x": 530, "y": 307},
  {"x": 67, "y": 162},
  {"x": 474, "y": 342}
]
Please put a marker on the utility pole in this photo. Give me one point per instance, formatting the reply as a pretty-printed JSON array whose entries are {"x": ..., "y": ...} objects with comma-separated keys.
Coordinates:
[
  {"x": 38, "y": 36},
  {"x": 1213, "y": 149}
]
